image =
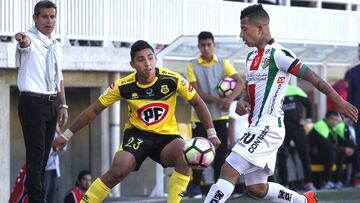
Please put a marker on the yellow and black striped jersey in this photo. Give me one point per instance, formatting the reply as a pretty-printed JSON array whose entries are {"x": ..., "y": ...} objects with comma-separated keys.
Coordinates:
[{"x": 152, "y": 106}]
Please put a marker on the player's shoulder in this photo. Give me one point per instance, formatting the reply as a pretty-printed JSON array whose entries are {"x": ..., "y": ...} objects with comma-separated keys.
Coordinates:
[
  {"x": 280, "y": 50},
  {"x": 131, "y": 78},
  {"x": 165, "y": 72}
]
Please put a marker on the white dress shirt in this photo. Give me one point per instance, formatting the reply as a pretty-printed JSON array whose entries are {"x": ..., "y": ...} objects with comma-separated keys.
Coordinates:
[{"x": 32, "y": 71}]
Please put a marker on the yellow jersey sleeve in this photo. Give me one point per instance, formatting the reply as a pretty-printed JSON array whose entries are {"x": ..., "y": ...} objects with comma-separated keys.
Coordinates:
[
  {"x": 111, "y": 94},
  {"x": 185, "y": 89},
  {"x": 190, "y": 75},
  {"x": 229, "y": 69}
]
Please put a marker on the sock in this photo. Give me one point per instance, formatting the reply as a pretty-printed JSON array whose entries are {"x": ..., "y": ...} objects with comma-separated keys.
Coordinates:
[
  {"x": 177, "y": 185},
  {"x": 97, "y": 192},
  {"x": 220, "y": 191},
  {"x": 278, "y": 193}
]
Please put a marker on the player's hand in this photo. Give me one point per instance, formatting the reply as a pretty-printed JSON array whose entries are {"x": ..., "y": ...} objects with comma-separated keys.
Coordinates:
[
  {"x": 63, "y": 117},
  {"x": 59, "y": 143},
  {"x": 347, "y": 109},
  {"x": 23, "y": 39},
  {"x": 215, "y": 141},
  {"x": 224, "y": 103},
  {"x": 242, "y": 107}
]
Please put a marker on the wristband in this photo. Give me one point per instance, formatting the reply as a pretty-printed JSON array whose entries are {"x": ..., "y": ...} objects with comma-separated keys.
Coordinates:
[
  {"x": 63, "y": 106},
  {"x": 67, "y": 134},
  {"x": 211, "y": 132}
]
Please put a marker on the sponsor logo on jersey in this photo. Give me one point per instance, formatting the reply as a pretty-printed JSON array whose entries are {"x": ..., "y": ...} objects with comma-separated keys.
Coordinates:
[
  {"x": 153, "y": 113},
  {"x": 134, "y": 95},
  {"x": 281, "y": 80},
  {"x": 164, "y": 89},
  {"x": 267, "y": 51},
  {"x": 150, "y": 92},
  {"x": 112, "y": 86},
  {"x": 190, "y": 88}
]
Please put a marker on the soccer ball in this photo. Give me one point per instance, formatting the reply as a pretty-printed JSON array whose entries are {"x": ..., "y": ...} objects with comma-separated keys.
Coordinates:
[
  {"x": 226, "y": 86},
  {"x": 199, "y": 153}
]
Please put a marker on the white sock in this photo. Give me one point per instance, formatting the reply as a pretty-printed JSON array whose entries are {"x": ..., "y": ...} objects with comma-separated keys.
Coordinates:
[
  {"x": 278, "y": 193},
  {"x": 220, "y": 191}
]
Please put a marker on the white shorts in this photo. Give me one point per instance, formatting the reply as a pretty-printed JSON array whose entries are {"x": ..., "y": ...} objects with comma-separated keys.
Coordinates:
[
  {"x": 252, "y": 174},
  {"x": 259, "y": 146}
]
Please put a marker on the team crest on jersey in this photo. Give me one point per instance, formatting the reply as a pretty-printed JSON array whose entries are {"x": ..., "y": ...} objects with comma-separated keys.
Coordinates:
[
  {"x": 265, "y": 63},
  {"x": 164, "y": 89},
  {"x": 134, "y": 95},
  {"x": 153, "y": 113},
  {"x": 281, "y": 80}
]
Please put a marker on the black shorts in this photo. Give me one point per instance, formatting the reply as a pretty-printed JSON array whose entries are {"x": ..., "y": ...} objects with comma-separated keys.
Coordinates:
[{"x": 144, "y": 144}]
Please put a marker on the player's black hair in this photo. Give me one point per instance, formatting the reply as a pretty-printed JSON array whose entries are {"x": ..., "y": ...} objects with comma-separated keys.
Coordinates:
[
  {"x": 205, "y": 35},
  {"x": 331, "y": 113},
  {"x": 255, "y": 12},
  {"x": 138, "y": 46},
  {"x": 43, "y": 4},
  {"x": 80, "y": 177}
]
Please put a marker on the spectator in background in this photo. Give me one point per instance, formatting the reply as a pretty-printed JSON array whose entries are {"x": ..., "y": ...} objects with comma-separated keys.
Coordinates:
[
  {"x": 346, "y": 138},
  {"x": 341, "y": 87},
  {"x": 82, "y": 184},
  {"x": 41, "y": 85},
  {"x": 325, "y": 148},
  {"x": 354, "y": 98},
  {"x": 204, "y": 73},
  {"x": 295, "y": 101}
]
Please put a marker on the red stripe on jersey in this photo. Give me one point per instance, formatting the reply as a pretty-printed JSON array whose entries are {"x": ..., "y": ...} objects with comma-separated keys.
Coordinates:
[
  {"x": 296, "y": 69},
  {"x": 251, "y": 89},
  {"x": 256, "y": 61}
]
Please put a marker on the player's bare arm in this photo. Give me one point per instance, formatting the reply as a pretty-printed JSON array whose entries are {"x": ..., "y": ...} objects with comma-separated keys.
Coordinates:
[
  {"x": 343, "y": 107},
  {"x": 23, "y": 39},
  {"x": 205, "y": 118},
  {"x": 81, "y": 120},
  {"x": 243, "y": 107},
  {"x": 63, "y": 114}
]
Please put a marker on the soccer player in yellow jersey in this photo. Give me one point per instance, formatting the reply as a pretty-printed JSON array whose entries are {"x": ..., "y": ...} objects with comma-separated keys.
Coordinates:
[{"x": 152, "y": 130}]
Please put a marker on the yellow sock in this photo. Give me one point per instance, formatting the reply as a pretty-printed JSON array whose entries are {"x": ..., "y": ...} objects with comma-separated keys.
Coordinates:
[
  {"x": 96, "y": 193},
  {"x": 177, "y": 185}
]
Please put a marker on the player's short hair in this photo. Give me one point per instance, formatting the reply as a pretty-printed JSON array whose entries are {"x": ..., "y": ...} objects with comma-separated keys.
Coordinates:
[
  {"x": 44, "y": 4},
  {"x": 138, "y": 46},
  {"x": 331, "y": 113},
  {"x": 205, "y": 35},
  {"x": 81, "y": 176},
  {"x": 255, "y": 12}
]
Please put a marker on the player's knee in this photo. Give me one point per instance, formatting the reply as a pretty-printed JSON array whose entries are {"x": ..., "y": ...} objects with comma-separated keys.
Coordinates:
[
  {"x": 258, "y": 190},
  {"x": 117, "y": 174}
]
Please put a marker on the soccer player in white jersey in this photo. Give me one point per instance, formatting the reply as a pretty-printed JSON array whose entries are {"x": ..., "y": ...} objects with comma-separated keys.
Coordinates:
[{"x": 268, "y": 69}]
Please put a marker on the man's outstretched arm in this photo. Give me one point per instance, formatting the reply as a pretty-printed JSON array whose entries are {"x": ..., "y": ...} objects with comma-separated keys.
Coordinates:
[{"x": 342, "y": 106}]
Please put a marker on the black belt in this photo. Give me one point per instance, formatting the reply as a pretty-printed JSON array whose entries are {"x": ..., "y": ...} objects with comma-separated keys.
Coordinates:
[{"x": 48, "y": 97}]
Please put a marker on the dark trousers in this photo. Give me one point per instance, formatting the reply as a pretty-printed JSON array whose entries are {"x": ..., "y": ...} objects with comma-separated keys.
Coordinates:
[
  {"x": 302, "y": 146},
  {"x": 51, "y": 185},
  {"x": 221, "y": 152},
  {"x": 357, "y": 149},
  {"x": 38, "y": 118}
]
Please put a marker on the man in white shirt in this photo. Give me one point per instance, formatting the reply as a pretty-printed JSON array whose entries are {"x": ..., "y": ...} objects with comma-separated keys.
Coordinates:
[{"x": 41, "y": 86}]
